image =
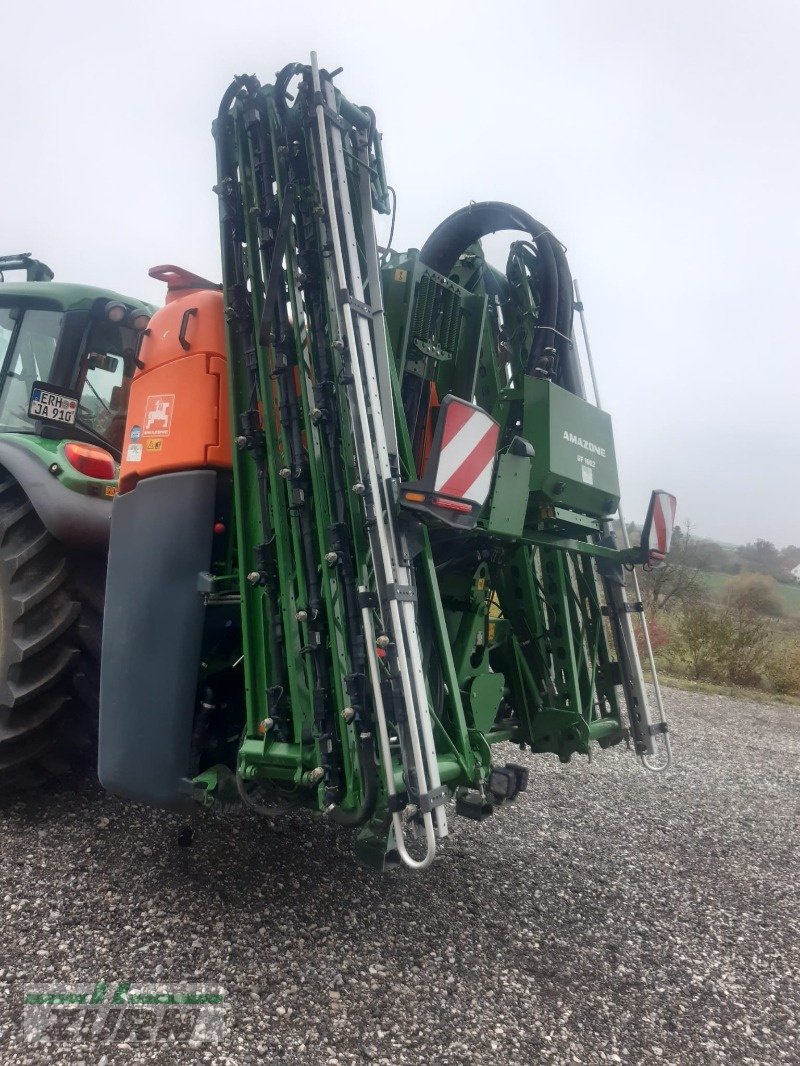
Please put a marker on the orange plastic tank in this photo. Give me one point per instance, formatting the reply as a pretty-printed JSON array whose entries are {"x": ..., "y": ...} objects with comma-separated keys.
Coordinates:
[{"x": 178, "y": 415}]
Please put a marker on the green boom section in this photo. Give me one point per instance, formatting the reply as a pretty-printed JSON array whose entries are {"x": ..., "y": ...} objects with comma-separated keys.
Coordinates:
[{"x": 383, "y": 656}]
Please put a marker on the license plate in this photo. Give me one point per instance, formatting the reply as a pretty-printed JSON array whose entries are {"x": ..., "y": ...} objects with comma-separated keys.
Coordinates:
[{"x": 53, "y": 404}]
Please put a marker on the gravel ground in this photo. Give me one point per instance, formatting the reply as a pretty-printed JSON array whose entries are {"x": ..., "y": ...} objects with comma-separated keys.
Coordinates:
[{"x": 608, "y": 916}]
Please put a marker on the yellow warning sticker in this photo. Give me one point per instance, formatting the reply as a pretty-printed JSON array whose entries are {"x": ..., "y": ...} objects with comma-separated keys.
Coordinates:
[
  {"x": 481, "y": 583},
  {"x": 400, "y": 275},
  {"x": 111, "y": 490},
  {"x": 154, "y": 445}
]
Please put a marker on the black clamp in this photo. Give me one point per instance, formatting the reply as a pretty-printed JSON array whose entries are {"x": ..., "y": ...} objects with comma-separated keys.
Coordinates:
[
  {"x": 397, "y": 802},
  {"x": 252, "y": 435}
]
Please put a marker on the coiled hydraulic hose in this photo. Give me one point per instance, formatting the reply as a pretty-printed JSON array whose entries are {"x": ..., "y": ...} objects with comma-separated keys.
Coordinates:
[{"x": 554, "y": 324}]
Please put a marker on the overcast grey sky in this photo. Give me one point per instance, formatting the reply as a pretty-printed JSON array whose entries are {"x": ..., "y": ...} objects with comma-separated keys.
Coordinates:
[{"x": 660, "y": 142}]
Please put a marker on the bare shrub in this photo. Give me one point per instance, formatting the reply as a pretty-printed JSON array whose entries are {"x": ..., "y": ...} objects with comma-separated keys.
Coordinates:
[
  {"x": 699, "y": 644},
  {"x": 748, "y": 652},
  {"x": 658, "y": 631},
  {"x": 754, "y": 593},
  {"x": 721, "y": 644},
  {"x": 783, "y": 668}
]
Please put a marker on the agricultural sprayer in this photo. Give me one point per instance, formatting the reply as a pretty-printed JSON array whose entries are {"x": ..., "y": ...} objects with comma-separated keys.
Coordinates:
[{"x": 364, "y": 532}]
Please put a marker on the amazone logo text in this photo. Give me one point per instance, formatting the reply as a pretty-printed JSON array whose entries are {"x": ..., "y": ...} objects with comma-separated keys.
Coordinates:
[{"x": 585, "y": 444}]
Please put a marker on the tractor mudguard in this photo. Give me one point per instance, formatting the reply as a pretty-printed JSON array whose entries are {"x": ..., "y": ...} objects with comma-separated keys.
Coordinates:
[
  {"x": 76, "y": 520},
  {"x": 152, "y": 636}
]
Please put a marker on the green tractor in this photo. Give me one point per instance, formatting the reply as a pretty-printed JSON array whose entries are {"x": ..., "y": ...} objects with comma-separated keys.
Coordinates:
[{"x": 67, "y": 355}]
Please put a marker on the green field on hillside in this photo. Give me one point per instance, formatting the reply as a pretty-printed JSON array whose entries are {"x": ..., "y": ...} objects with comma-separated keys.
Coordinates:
[{"x": 716, "y": 583}]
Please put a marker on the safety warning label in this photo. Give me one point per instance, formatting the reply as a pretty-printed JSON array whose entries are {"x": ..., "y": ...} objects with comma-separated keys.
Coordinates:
[{"x": 158, "y": 415}]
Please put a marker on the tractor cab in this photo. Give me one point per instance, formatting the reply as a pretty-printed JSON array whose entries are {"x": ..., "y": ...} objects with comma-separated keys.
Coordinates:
[{"x": 67, "y": 356}]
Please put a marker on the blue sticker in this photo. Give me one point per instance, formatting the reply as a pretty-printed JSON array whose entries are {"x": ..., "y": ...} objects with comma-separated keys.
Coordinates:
[
  {"x": 136, "y": 432},
  {"x": 37, "y": 394}
]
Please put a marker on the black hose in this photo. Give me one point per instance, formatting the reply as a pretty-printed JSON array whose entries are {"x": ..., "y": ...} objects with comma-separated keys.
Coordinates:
[
  {"x": 369, "y": 775},
  {"x": 548, "y": 306},
  {"x": 463, "y": 228}
]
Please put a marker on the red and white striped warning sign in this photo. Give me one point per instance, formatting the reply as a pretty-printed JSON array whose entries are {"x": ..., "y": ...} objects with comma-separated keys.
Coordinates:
[
  {"x": 661, "y": 522},
  {"x": 467, "y": 453}
]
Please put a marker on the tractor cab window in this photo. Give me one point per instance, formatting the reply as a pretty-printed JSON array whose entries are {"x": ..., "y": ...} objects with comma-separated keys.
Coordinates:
[
  {"x": 104, "y": 378},
  {"x": 31, "y": 361}
]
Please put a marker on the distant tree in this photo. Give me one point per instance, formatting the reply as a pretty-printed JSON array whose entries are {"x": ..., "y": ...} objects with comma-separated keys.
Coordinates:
[
  {"x": 680, "y": 582},
  {"x": 634, "y": 532},
  {"x": 631, "y": 528},
  {"x": 762, "y": 557},
  {"x": 711, "y": 556},
  {"x": 755, "y": 594}
]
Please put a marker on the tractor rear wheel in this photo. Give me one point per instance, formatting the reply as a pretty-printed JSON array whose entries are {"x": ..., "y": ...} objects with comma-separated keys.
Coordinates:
[{"x": 50, "y": 625}]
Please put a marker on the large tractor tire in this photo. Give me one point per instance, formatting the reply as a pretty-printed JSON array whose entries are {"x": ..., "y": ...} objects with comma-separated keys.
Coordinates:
[{"x": 50, "y": 626}]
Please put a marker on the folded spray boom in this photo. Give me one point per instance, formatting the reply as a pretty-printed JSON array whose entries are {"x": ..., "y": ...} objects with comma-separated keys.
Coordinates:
[{"x": 408, "y": 553}]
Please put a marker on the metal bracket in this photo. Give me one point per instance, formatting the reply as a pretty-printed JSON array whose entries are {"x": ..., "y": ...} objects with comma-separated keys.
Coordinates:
[
  {"x": 401, "y": 592},
  {"x": 358, "y": 306},
  {"x": 433, "y": 351},
  {"x": 205, "y": 581},
  {"x": 333, "y": 116},
  {"x": 436, "y": 797},
  {"x": 628, "y": 608}
]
